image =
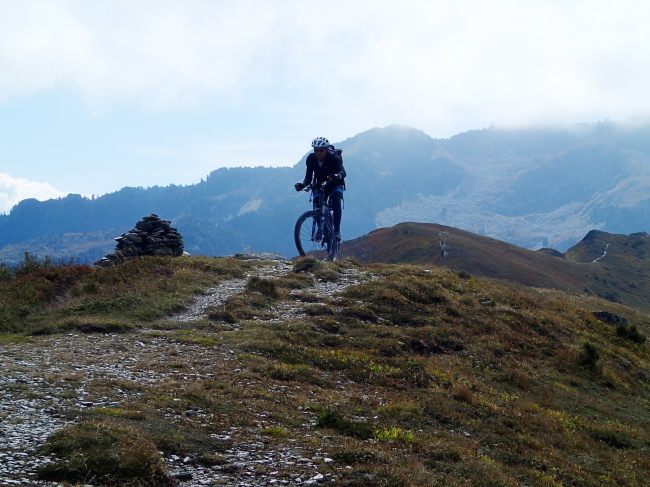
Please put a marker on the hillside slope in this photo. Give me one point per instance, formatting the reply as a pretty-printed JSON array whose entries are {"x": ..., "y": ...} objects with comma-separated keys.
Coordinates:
[
  {"x": 612, "y": 267},
  {"x": 193, "y": 371}
]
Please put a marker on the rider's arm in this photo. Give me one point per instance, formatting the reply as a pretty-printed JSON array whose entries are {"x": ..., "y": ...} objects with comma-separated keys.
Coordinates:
[
  {"x": 339, "y": 170},
  {"x": 308, "y": 177},
  {"x": 309, "y": 174}
]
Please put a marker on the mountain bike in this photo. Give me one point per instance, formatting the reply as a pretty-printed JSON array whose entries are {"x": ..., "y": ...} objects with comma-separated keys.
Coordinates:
[{"x": 314, "y": 231}]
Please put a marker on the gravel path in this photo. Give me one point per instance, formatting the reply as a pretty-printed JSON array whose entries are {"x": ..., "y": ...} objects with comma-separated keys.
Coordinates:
[{"x": 44, "y": 387}]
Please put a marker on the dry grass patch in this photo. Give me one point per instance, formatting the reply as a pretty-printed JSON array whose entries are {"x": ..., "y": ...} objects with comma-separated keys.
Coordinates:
[
  {"x": 120, "y": 413},
  {"x": 242, "y": 307},
  {"x": 197, "y": 337},
  {"x": 323, "y": 271},
  {"x": 104, "y": 453},
  {"x": 89, "y": 325},
  {"x": 14, "y": 338},
  {"x": 139, "y": 291}
]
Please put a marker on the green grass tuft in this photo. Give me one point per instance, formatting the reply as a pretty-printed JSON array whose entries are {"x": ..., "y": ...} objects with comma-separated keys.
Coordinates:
[
  {"x": 631, "y": 333},
  {"x": 334, "y": 420}
]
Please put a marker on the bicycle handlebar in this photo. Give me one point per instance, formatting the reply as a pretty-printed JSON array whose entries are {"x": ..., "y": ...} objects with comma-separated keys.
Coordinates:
[{"x": 312, "y": 186}]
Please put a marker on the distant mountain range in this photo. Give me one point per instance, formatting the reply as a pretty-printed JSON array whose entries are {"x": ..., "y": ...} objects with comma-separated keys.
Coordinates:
[
  {"x": 534, "y": 188},
  {"x": 612, "y": 267}
]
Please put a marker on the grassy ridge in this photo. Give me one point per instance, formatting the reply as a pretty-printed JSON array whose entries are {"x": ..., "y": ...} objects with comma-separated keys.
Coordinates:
[
  {"x": 612, "y": 267},
  {"x": 43, "y": 296},
  {"x": 419, "y": 376}
]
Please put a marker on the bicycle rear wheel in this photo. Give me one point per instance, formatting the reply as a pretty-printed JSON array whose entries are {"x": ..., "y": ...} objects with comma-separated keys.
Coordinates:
[{"x": 309, "y": 238}]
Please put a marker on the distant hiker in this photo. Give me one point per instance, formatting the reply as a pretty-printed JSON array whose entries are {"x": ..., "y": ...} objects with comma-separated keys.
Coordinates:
[{"x": 325, "y": 165}]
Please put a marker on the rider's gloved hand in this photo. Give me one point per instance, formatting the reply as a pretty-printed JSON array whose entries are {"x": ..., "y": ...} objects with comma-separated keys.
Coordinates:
[{"x": 299, "y": 186}]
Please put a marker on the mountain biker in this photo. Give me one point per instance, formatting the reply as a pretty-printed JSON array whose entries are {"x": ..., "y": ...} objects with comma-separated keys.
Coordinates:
[{"x": 326, "y": 166}]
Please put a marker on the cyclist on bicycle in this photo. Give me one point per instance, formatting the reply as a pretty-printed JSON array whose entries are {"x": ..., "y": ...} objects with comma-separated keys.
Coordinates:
[{"x": 325, "y": 165}]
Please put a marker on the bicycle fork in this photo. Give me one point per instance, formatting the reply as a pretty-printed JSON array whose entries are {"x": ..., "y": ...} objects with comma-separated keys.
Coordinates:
[{"x": 317, "y": 229}]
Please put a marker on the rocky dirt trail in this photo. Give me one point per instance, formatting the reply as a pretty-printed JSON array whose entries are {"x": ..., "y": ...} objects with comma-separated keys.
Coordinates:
[{"x": 47, "y": 383}]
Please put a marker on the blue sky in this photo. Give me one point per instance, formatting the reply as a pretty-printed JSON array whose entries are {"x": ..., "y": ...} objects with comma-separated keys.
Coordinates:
[{"x": 97, "y": 95}]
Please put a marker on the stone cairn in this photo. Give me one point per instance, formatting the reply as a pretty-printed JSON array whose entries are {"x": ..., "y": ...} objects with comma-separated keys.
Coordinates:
[{"x": 151, "y": 236}]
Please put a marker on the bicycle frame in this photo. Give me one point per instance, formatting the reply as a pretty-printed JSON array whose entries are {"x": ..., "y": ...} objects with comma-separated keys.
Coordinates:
[
  {"x": 314, "y": 231},
  {"x": 324, "y": 208}
]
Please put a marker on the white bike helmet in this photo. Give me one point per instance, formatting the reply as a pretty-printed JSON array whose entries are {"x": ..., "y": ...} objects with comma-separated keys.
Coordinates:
[{"x": 320, "y": 142}]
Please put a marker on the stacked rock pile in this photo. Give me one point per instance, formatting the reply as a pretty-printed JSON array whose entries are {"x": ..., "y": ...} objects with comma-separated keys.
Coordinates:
[{"x": 151, "y": 236}]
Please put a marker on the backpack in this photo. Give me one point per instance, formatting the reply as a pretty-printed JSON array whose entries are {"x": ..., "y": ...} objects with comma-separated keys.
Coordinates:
[{"x": 337, "y": 152}]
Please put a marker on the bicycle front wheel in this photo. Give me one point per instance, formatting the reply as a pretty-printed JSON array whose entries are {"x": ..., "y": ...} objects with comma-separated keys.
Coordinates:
[{"x": 312, "y": 238}]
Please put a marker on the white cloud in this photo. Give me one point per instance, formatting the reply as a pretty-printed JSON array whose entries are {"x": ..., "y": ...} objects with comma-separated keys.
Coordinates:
[
  {"x": 219, "y": 153},
  {"x": 160, "y": 53},
  {"x": 279, "y": 73},
  {"x": 386, "y": 62},
  {"x": 14, "y": 190}
]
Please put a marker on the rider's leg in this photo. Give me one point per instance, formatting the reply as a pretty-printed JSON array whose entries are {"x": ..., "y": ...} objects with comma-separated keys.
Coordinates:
[
  {"x": 337, "y": 211},
  {"x": 316, "y": 201}
]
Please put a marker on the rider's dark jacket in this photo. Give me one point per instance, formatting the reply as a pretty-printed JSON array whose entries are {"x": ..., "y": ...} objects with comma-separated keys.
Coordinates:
[{"x": 332, "y": 166}]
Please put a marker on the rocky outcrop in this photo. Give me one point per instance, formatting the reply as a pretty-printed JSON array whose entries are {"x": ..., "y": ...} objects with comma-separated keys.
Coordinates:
[
  {"x": 610, "y": 318},
  {"x": 151, "y": 236}
]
